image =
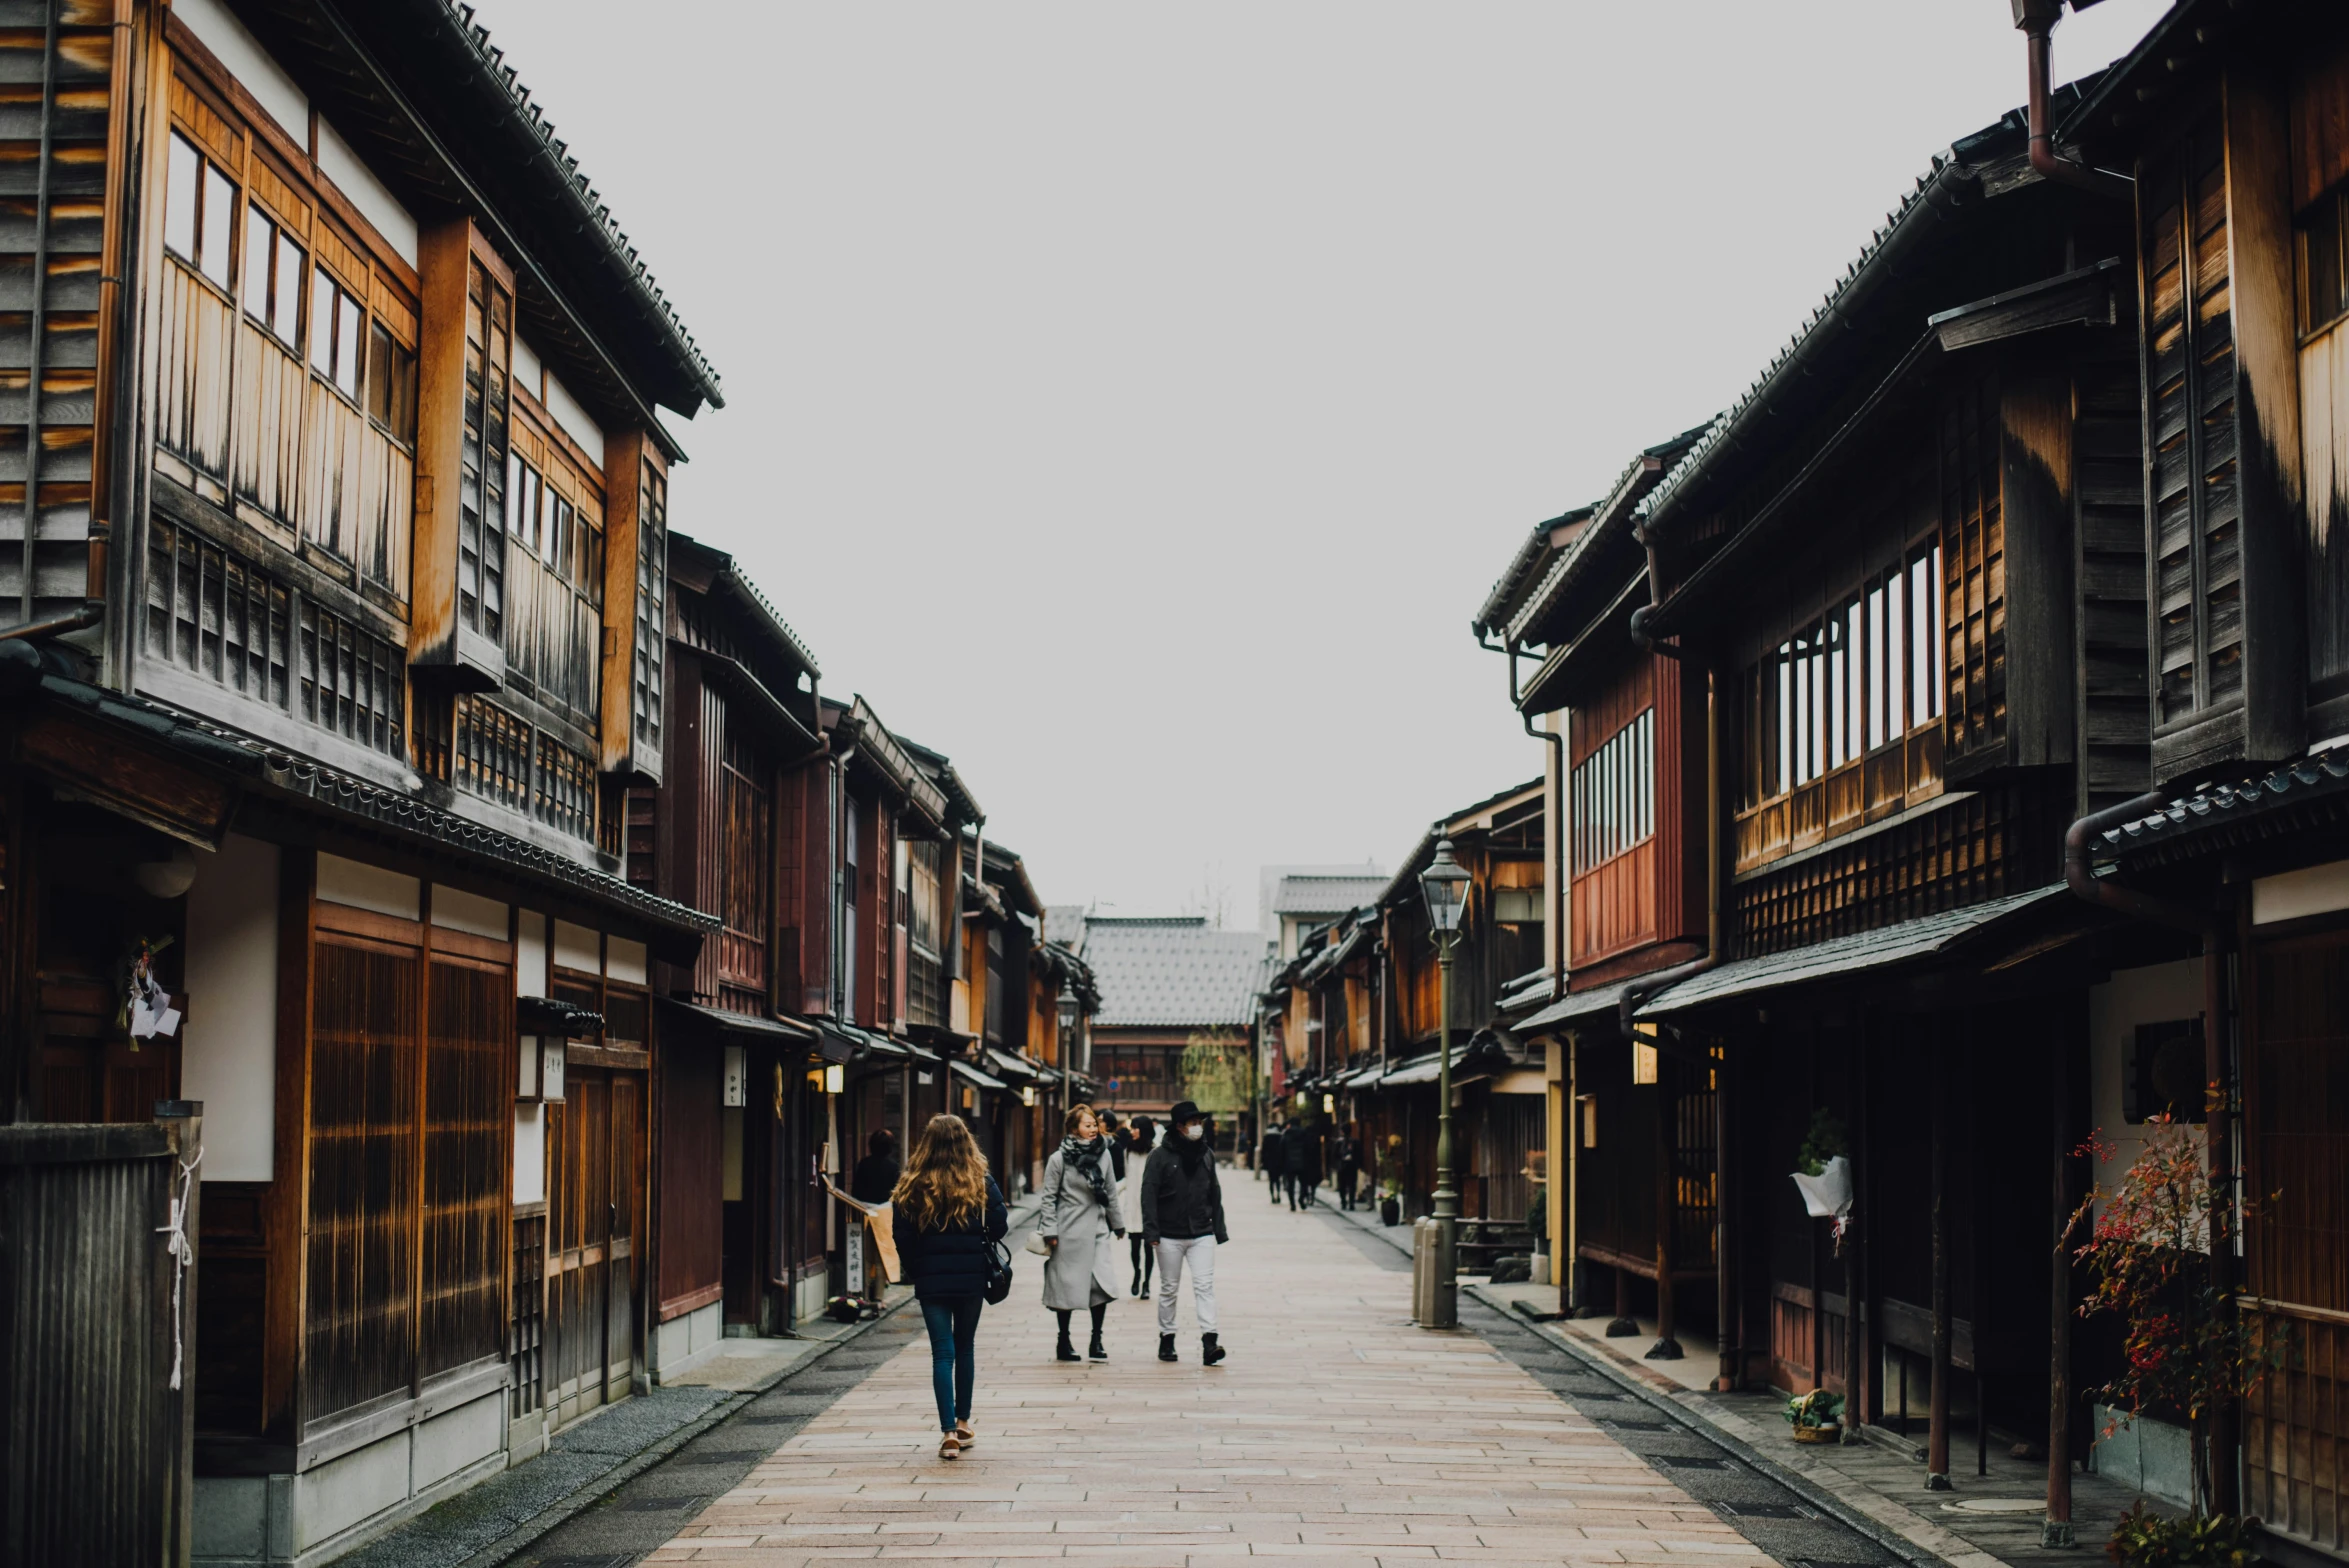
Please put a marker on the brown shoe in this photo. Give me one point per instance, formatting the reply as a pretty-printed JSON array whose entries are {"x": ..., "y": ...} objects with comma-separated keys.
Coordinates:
[
  {"x": 964, "y": 1434},
  {"x": 950, "y": 1447}
]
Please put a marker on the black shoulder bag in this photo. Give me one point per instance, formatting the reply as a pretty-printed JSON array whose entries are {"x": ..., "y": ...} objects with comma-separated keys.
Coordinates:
[{"x": 998, "y": 1273}]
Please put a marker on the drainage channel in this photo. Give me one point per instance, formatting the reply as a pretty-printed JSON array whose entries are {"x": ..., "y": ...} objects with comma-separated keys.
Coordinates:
[{"x": 1780, "y": 1513}]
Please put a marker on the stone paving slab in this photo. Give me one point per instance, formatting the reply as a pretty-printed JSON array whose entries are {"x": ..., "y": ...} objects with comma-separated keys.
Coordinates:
[{"x": 1338, "y": 1432}]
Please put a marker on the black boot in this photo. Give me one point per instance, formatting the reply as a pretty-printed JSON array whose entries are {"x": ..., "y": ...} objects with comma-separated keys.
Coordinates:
[
  {"x": 1066, "y": 1351},
  {"x": 1209, "y": 1351},
  {"x": 1166, "y": 1350},
  {"x": 1097, "y": 1351}
]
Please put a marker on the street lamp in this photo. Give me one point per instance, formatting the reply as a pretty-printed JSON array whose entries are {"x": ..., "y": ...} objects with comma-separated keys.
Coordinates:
[{"x": 1445, "y": 887}]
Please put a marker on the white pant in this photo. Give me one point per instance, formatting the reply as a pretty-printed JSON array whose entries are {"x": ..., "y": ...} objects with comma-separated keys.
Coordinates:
[{"x": 1199, "y": 1253}]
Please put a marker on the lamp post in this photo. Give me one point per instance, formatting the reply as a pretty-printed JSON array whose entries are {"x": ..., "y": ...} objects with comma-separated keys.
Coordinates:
[{"x": 1445, "y": 887}]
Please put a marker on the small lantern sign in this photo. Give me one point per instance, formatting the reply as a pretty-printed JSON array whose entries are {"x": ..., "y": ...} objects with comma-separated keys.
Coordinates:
[
  {"x": 551, "y": 1049},
  {"x": 737, "y": 1078},
  {"x": 835, "y": 1078}
]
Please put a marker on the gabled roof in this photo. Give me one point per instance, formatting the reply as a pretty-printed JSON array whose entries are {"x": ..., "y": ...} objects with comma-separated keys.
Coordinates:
[
  {"x": 1175, "y": 972},
  {"x": 1524, "y": 566},
  {"x": 722, "y": 578},
  {"x": 1600, "y": 542},
  {"x": 1325, "y": 895}
]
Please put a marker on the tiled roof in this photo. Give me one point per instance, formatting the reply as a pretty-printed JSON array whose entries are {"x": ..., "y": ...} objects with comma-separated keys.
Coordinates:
[
  {"x": 1839, "y": 957},
  {"x": 1065, "y": 924},
  {"x": 1173, "y": 973},
  {"x": 1318, "y": 895},
  {"x": 2237, "y": 810}
]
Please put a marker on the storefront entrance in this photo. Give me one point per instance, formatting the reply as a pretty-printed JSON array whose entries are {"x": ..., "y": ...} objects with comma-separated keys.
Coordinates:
[{"x": 594, "y": 1197}]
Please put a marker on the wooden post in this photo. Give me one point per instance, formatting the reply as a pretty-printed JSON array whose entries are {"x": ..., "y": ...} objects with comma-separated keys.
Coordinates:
[
  {"x": 2055, "y": 1530},
  {"x": 1666, "y": 1347},
  {"x": 2220, "y": 1445},
  {"x": 1937, "y": 1418},
  {"x": 1855, "y": 1382},
  {"x": 1624, "y": 1325}
]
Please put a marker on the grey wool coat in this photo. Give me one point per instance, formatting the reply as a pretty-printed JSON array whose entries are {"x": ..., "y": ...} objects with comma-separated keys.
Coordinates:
[{"x": 1082, "y": 1271}]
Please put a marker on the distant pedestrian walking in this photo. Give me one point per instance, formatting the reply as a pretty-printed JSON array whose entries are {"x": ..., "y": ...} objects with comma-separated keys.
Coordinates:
[
  {"x": 1182, "y": 1219},
  {"x": 1080, "y": 1220},
  {"x": 1301, "y": 1152},
  {"x": 1347, "y": 1156},
  {"x": 1276, "y": 1173},
  {"x": 947, "y": 1215},
  {"x": 1143, "y": 1256},
  {"x": 875, "y": 1176}
]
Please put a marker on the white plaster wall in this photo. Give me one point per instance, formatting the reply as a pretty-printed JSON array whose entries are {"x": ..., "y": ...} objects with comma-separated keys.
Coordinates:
[
  {"x": 249, "y": 63},
  {"x": 685, "y": 1341},
  {"x": 529, "y": 1153},
  {"x": 345, "y": 1491},
  {"x": 362, "y": 886},
  {"x": 2115, "y": 1009},
  {"x": 367, "y": 193},
  {"x": 576, "y": 947},
  {"x": 466, "y": 1435},
  {"x": 575, "y": 420},
  {"x": 228, "y": 1047},
  {"x": 454, "y": 909},
  {"x": 530, "y": 954},
  {"x": 2292, "y": 895},
  {"x": 625, "y": 960}
]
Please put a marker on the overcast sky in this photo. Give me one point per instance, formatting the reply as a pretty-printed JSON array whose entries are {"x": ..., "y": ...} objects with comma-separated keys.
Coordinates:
[{"x": 1136, "y": 402}]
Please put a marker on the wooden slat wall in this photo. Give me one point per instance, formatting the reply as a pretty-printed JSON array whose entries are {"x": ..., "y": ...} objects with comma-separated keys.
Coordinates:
[
  {"x": 467, "y": 1162},
  {"x": 2109, "y": 528},
  {"x": 2190, "y": 380},
  {"x": 692, "y": 1176},
  {"x": 359, "y": 1321},
  {"x": 1980, "y": 847},
  {"x": 1973, "y": 532}
]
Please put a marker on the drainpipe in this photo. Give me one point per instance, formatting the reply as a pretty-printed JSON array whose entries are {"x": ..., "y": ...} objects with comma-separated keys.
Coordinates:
[
  {"x": 2037, "y": 19},
  {"x": 1555, "y": 897},
  {"x": 90, "y": 614},
  {"x": 2109, "y": 892}
]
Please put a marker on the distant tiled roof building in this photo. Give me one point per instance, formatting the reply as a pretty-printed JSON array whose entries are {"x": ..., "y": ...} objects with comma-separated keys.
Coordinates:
[
  {"x": 1327, "y": 896},
  {"x": 1173, "y": 973}
]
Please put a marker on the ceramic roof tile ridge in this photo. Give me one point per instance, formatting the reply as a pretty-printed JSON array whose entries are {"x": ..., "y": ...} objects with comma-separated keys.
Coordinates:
[
  {"x": 593, "y": 209},
  {"x": 2217, "y": 800}
]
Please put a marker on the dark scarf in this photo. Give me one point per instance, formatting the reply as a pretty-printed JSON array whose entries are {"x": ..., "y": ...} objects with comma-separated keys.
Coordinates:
[{"x": 1088, "y": 1160}]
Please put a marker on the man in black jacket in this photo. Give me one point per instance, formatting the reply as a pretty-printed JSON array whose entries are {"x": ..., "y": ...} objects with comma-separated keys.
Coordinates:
[{"x": 1182, "y": 1220}]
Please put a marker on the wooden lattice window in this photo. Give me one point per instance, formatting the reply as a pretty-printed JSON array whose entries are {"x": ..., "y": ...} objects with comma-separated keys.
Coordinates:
[
  {"x": 1974, "y": 529},
  {"x": 745, "y": 853},
  {"x": 481, "y": 528},
  {"x": 2190, "y": 376},
  {"x": 652, "y": 600}
]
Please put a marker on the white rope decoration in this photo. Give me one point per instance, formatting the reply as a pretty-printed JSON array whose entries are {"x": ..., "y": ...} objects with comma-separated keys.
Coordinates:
[{"x": 183, "y": 1253}]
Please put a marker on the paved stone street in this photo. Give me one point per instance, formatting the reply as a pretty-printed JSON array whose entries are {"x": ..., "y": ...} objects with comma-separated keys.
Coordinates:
[{"x": 1337, "y": 1432}]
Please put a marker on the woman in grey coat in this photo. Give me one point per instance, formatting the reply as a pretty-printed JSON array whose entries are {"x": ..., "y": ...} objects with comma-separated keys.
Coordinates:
[{"x": 1081, "y": 1222}]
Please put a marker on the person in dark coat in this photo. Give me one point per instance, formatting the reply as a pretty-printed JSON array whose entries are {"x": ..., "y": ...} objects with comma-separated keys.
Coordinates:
[
  {"x": 947, "y": 1215},
  {"x": 1347, "y": 1157},
  {"x": 1301, "y": 1152},
  {"x": 875, "y": 1177},
  {"x": 1182, "y": 1219},
  {"x": 1269, "y": 1160}
]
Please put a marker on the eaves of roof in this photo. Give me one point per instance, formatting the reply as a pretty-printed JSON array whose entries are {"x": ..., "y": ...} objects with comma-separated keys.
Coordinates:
[
  {"x": 1782, "y": 394},
  {"x": 1575, "y": 661},
  {"x": 274, "y": 777},
  {"x": 2182, "y": 49},
  {"x": 1404, "y": 885},
  {"x": 1610, "y": 519},
  {"x": 895, "y": 766},
  {"x": 2061, "y": 301},
  {"x": 418, "y": 86},
  {"x": 2308, "y": 794},
  {"x": 1522, "y": 568}
]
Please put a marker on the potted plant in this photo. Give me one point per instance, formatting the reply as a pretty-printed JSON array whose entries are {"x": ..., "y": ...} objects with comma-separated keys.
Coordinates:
[
  {"x": 1390, "y": 1181},
  {"x": 2186, "y": 1351},
  {"x": 1817, "y": 1417}
]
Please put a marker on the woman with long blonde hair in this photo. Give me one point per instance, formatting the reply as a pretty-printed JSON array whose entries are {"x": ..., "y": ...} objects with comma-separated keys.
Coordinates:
[{"x": 947, "y": 1214}]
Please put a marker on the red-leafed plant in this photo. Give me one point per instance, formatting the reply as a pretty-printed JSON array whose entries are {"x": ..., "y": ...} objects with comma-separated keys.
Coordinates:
[{"x": 2185, "y": 1349}]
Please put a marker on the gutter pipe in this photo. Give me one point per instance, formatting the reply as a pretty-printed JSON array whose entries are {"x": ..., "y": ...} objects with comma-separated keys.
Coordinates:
[{"x": 2036, "y": 19}]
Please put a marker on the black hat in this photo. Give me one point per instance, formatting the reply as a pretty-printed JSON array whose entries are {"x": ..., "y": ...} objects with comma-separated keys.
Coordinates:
[{"x": 1185, "y": 1111}]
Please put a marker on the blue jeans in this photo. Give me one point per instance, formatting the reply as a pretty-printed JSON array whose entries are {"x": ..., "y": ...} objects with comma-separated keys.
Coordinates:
[{"x": 954, "y": 1333}]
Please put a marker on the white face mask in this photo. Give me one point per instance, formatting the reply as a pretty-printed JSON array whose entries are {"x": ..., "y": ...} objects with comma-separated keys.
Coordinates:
[{"x": 1194, "y": 1129}]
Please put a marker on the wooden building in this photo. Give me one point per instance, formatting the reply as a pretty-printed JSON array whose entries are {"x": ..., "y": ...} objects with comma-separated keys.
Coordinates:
[
  {"x": 2233, "y": 123},
  {"x": 1630, "y": 730},
  {"x": 726, "y": 830},
  {"x": 1907, "y": 570},
  {"x": 334, "y": 636},
  {"x": 1361, "y": 1012}
]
